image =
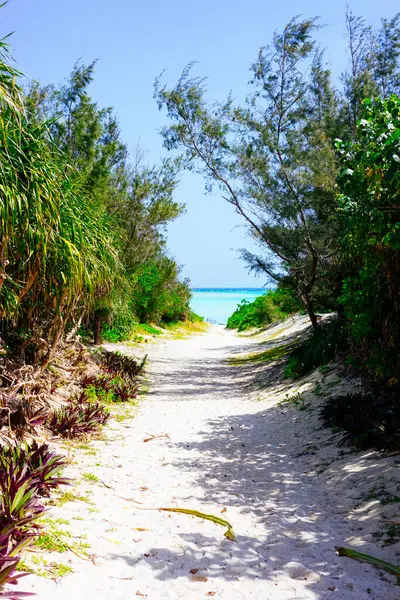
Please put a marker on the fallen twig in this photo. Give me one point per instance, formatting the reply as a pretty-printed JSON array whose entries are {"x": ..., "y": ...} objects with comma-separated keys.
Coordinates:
[
  {"x": 155, "y": 437},
  {"x": 107, "y": 486}
]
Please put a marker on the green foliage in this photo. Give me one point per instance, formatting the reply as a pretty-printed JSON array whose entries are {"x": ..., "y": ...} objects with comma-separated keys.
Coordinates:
[
  {"x": 370, "y": 187},
  {"x": 110, "y": 388},
  {"x": 272, "y": 306},
  {"x": 158, "y": 295},
  {"x": 78, "y": 222},
  {"x": 371, "y": 420},
  {"x": 320, "y": 348},
  {"x": 38, "y": 460},
  {"x": 272, "y": 158},
  {"x": 25, "y": 473},
  {"x": 149, "y": 329},
  {"x": 78, "y": 418},
  {"x": 56, "y": 246},
  {"x": 194, "y": 317},
  {"x": 121, "y": 364}
]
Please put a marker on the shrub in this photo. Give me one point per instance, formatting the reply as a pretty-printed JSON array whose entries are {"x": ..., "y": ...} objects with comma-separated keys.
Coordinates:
[
  {"x": 115, "y": 334},
  {"x": 272, "y": 306},
  {"x": 317, "y": 350},
  {"x": 370, "y": 419},
  {"x": 25, "y": 473},
  {"x": 369, "y": 183},
  {"x": 158, "y": 293},
  {"x": 146, "y": 328},
  {"x": 78, "y": 419},
  {"x": 114, "y": 362},
  {"x": 194, "y": 317},
  {"x": 111, "y": 388},
  {"x": 37, "y": 460}
]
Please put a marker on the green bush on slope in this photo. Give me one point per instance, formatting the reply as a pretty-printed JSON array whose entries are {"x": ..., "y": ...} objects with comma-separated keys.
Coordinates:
[{"x": 272, "y": 306}]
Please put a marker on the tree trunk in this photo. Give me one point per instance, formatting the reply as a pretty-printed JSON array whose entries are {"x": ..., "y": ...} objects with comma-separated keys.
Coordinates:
[
  {"x": 310, "y": 310},
  {"x": 98, "y": 324}
]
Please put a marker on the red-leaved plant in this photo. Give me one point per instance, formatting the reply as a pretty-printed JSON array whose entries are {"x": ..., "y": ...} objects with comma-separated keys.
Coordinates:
[{"x": 26, "y": 473}]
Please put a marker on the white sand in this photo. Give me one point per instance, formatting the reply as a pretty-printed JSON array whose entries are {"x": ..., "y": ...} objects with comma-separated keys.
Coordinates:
[{"x": 270, "y": 470}]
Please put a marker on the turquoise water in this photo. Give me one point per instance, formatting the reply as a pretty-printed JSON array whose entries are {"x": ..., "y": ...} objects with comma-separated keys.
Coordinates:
[{"x": 217, "y": 304}]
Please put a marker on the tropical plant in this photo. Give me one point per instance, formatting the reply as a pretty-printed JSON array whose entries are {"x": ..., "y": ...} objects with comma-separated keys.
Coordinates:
[
  {"x": 57, "y": 252},
  {"x": 115, "y": 387},
  {"x": 37, "y": 460},
  {"x": 26, "y": 472},
  {"x": 9, "y": 559},
  {"x": 78, "y": 419},
  {"x": 117, "y": 363},
  {"x": 138, "y": 198}
]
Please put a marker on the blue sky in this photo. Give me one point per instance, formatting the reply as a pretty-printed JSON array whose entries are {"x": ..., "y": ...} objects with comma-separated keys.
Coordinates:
[{"x": 134, "y": 41}]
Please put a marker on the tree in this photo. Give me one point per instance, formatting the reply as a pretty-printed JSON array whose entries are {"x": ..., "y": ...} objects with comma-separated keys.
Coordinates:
[
  {"x": 386, "y": 72},
  {"x": 138, "y": 198},
  {"x": 358, "y": 81},
  {"x": 146, "y": 208},
  {"x": 272, "y": 159},
  {"x": 373, "y": 66}
]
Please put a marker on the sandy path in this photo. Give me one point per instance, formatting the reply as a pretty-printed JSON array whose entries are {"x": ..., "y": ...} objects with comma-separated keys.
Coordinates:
[{"x": 226, "y": 454}]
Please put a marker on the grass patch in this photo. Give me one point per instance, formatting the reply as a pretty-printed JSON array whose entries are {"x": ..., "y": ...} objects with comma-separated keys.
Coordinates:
[
  {"x": 145, "y": 329},
  {"x": 91, "y": 477},
  {"x": 183, "y": 329},
  {"x": 269, "y": 355},
  {"x": 70, "y": 497},
  {"x": 24, "y": 566},
  {"x": 50, "y": 542},
  {"x": 52, "y": 538},
  {"x": 296, "y": 400},
  {"x": 120, "y": 418},
  {"x": 43, "y": 568}
]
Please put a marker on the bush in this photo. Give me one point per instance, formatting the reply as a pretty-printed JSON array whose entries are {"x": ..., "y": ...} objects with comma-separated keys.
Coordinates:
[
  {"x": 317, "y": 350},
  {"x": 121, "y": 364},
  {"x": 36, "y": 460},
  {"x": 194, "y": 317},
  {"x": 26, "y": 472},
  {"x": 370, "y": 186},
  {"x": 272, "y": 306},
  {"x": 159, "y": 295},
  {"x": 78, "y": 419},
  {"x": 371, "y": 420},
  {"x": 110, "y": 388}
]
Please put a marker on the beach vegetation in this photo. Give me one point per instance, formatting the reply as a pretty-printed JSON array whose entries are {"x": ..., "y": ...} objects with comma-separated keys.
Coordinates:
[
  {"x": 368, "y": 419},
  {"x": 276, "y": 353},
  {"x": 273, "y": 306},
  {"x": 26, "y": 474},
  {"x": 321, "y": 347},
  {"x": 312, "y": 168}
]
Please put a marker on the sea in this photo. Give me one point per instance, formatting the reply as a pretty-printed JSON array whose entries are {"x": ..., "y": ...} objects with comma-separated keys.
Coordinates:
[{"x": 217, "y": 304}]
